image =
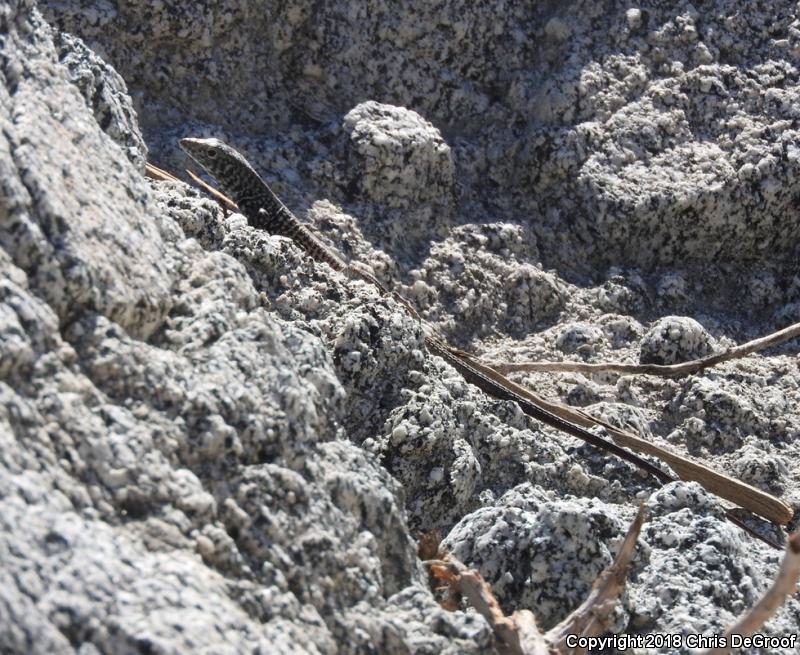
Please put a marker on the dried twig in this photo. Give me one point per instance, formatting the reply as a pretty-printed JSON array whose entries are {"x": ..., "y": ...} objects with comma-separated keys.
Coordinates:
[
  {"x": 665, "y": 370},
  {"x": 156, "y": 173},
  {"x": 785, "y": 584},
  {"x": 220, "y": 197},
  {"x": 428, "y": 545},
  {"x": 518, "y": 634},
  {"x": 591, "y": 618},
  {"x": 736, "y": 491}
]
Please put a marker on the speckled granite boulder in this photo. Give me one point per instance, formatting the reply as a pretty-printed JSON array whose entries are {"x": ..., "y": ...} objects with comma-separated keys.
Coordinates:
[
  {"x": 664, "y": 134},
  {"x": 398, "y": 170},
  {"x": 105, "y": 93},
  {"x": 480, "y": 278},
  {"x": 580, "y": 338},
  {"x": 538, "y": 552},
  {"x": 686, "y": 540},
  {"x": 675, "y": 339},
  {"x": 395, "y": 158},
  {"x": 238, "y": 428},
  {"x": 74, "y": 263},
  {"x": 173, "y": 477}
]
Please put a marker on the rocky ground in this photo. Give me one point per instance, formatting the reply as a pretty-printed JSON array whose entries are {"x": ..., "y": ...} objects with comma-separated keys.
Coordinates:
[{"x": 210, "y": 443}]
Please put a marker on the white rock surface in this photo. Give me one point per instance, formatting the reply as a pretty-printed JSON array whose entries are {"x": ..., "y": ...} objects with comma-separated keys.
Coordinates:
[
  {"x": 675, "y": 339},
  {"x": 209, "y": 443},
  {"x": 173, "y": 475}
]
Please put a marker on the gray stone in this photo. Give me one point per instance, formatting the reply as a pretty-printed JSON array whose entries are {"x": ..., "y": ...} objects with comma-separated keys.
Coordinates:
[
  {"x": 105, "y": 93},
  {"x": 208, "y": 441},
  {"x": 642, "y": 136},
  {"x": 172, "y": 475},
  {"x": 580, "y": 338},
  {"x": 396, "y": 158},
  {"x": 537, "y": 553},
  {"x": 675, "y": 339}
]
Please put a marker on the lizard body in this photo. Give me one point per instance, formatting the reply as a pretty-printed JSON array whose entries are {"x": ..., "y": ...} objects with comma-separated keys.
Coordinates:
[{"x": 262, "y": 208}]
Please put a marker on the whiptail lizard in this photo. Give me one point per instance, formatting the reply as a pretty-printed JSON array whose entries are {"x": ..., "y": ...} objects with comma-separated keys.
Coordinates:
[{"x": 264, "y": 210}]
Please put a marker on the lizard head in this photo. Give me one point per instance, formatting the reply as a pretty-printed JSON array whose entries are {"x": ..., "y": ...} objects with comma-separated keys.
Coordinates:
[{"x": 225, "y": 164}]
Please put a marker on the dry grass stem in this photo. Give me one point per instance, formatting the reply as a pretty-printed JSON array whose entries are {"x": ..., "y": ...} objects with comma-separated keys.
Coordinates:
[
  {"x": 785, "y": 584},
  {"x": 218, "y": 196},
  {"x": 591, "y": 618},
  {"x": 742, "y": 494},
  {"x": 664, "y": 370},
  {"x": 156, "y": 173}
]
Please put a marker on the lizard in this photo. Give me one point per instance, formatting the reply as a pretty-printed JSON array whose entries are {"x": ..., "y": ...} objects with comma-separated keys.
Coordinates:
[{"x": 264, "y": 210}]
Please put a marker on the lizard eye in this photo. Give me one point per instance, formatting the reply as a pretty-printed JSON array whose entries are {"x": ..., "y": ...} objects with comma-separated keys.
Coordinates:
[{"x": 211, "y": 153}]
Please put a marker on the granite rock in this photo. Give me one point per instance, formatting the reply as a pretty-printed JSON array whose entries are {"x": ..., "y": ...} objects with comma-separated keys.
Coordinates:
[
  {"x": 173, "y": 474},
  {"x": 664, "y": 138},
  {"x": 675, "y": 339},
  {"x": 396, "y": 158},
  {"x": 105, "y": 93},
  {"x": 199, "y": 419}
]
